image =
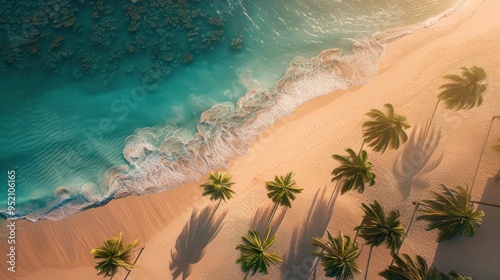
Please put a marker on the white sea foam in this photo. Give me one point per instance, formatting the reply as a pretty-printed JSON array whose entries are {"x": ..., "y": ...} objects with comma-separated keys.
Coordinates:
[{"x": 164, "y": 158}]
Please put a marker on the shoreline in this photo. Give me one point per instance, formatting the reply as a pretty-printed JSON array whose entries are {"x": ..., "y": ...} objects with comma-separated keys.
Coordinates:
[
  {"x": 348, "y": 65},
  {"x": 118, "y": 215}
]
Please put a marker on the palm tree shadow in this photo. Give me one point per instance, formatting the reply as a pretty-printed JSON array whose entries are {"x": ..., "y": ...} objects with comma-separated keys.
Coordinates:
[
  {"x": 300, "y": 261},
  {"x": 415, "y": 158},
  {"x": 190, "y": 245},
  {"x": 261, "y": 218}
]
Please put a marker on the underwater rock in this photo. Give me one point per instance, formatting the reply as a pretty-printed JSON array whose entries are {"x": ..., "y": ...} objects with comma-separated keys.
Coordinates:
[
  {"x": 33, "y": 48},
  {"x": 187, "y": 58},
  {"x": 217, "y": 21},
  {"x": 104, "y": 31},
  {"x": 237, "y": 43},
  {"x": 56, "y": 42},
  {"x": 216, "y": 35},
  {"x": 89, "y": 63},
  {"x": 129, "y": 48}
]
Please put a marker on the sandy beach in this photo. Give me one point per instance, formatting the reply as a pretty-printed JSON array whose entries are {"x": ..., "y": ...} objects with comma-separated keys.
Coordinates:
[{"x": 409, "y": 76}]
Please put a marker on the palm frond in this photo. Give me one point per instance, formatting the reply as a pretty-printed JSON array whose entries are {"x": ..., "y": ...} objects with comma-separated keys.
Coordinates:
[
  {"x": 254, "y": 254},
  {"x": 377, "y": 228},
  {"x": 218, "y": 186},
  {"x": 464, "y": 91},
  {"x": 385, "y": 130},
  {"x": 283, "y": 190},
  {"x": 354, "y": 171},
  {"x": 458, "y": 276},
  {"x": 452, "y": 213},
  {"x": 113, "y": 254},
  {"x": 405, "y": 268},
  {"x": 338, "y": 256}
]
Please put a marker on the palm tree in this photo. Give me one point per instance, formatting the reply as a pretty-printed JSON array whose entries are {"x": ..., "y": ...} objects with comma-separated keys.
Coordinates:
[
  {"x": 377, "y": 228},
  {"x": 282, "y": 192},
  {"x": 385, "y": 130},
  {"x": 218, "y": 187},
  {"x": 254, "y": 255},
  {"x": 338, "y": 256},
  {"x": 452, "y": 213},
  {"x": 113, "y": 254},
  {"x": 462, "y": 91},
  {"x": 354, "y": 171},
  {"x": 407, "y": 269}
]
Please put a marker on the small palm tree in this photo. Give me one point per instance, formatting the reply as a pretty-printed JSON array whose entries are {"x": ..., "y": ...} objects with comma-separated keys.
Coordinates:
[
  {"x": 452, "y": 213},
  {"x": 113, "y": 254},
  {"x": 282, "y": 191},
  {"x": 385, "y": 131},
  {"x": 377, "y": 228},
  {"x": 218, "y": 187},
  {"x": 464, "y": 91},
  {"x": 354, "y": 171},
  {"x": 338, "y": 256},
  {"x": 254, "y": 255},
  {"x": 407, "y": 269}
]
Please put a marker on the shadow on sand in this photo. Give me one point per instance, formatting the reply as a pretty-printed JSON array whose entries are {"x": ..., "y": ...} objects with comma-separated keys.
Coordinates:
[
  {"x": 261, "y": 218},
  {"x": 478, "y": 256},
  {"x": 300, "y": 261},
  {"x": 190, "y": 245},
  {"x": 415, "y": 158}
]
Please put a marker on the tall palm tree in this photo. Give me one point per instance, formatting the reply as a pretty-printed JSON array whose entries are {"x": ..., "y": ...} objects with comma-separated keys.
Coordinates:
[
  {"x": 452, "y": 213},
  {"x": 462, "y": 91},
  {"x": 282, "y": 191},
  {"x": 354, "y": 171},
  {"x": 254, "y": 254},
  {"x": 218, "y": 187},
  {"x": 377, "y": 228},
  {"x": 113, "y": 255},
  {"x": 338, "y": 256},
  {"x": 407, "y": 269},
  {"x": 384, "y": 131}
]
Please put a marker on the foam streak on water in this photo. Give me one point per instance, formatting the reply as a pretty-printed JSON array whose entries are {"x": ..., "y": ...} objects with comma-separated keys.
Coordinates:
[{"x": 163, "y": 158}]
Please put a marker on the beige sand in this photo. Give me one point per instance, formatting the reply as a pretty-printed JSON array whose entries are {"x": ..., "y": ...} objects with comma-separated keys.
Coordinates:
[{"x": 303, "y": 142}]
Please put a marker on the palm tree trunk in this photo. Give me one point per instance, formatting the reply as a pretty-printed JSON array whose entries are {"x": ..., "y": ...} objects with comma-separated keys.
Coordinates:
[
  {"x": 215, "y": 209},
  {"x": 357, "y": 232},
  {"x": 138, "y": 255},
  {"x": 410, "y": 223},
  {"x": 246, "y": 275},
  {"x": 272, "y": 214},
  {"x": 368, "y": 264},
  {"x": 432, "y": 118},
  {"x": 482, "y": 152},
  {"x": 333, "y": 198},
  {"x": 315, "y": 267},
  {"x": 335, "y": 192},
  {"x": 362, "y": 144}
]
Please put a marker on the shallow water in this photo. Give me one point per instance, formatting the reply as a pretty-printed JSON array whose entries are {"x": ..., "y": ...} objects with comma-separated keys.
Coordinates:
[{"x": 67, "y": 109}]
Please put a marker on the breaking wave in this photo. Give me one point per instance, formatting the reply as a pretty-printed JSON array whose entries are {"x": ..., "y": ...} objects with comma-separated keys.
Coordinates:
[{"x": 164, "y": 158}]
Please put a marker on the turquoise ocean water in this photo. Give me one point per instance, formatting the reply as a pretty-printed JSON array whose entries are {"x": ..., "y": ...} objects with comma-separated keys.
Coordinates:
[{"x": 103, "y": 100}]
